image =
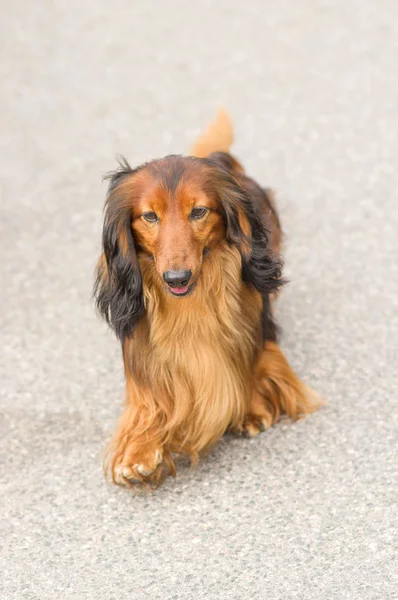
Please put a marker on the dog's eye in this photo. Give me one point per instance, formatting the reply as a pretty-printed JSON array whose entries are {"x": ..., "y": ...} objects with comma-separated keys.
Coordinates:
[
  {"x": 151, "y": 217},
  {"x": 199, "y": 212}
]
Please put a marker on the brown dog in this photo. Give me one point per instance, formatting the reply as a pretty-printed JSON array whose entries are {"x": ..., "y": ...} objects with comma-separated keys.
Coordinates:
[{"x": 189, "y": 266}]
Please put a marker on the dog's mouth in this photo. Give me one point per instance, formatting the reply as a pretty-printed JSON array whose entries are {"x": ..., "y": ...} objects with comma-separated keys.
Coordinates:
[{"x": 180, "y": 292}]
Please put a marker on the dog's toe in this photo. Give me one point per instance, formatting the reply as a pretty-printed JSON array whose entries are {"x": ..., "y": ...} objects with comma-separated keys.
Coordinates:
[
  {"x": 253, "y": 427},
  {"x": 148, "y": 467},
  {"x": 128, "y": 473},
  {"x": 143, "y": 470}
]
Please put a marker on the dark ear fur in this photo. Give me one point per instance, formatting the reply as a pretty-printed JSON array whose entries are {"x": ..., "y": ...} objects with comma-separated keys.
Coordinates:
[
  {"x": 246, "y": 230},
  {"x": 118, "y": 283}
]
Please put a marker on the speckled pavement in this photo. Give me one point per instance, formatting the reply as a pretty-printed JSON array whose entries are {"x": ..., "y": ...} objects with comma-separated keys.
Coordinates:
[{"x": 306, "y": 511}]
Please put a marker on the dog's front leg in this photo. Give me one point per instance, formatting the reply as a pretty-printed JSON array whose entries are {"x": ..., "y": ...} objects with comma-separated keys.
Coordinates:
[{"x": 136, "y": 452}]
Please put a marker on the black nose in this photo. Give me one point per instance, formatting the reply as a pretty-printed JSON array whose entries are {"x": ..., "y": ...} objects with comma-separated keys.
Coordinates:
[{"x": 177, "y": 278}]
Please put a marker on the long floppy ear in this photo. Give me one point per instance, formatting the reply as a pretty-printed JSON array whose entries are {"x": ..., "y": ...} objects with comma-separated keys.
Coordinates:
[
  {"x": 246, "y": 230},
  {"x": 118, "y": 283}
]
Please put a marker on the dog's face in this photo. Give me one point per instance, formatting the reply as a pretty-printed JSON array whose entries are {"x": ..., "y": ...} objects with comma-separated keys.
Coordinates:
[
  {"x": 174, "y": 211},
  {"x": 176, "y": 220}
]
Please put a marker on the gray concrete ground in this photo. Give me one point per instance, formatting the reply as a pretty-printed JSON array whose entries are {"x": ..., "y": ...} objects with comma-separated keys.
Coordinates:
[{"x": 307, "y": 510}]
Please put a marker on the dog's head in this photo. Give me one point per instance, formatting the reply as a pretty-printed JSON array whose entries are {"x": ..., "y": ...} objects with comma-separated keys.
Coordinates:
[{"x": 175, "y": 211}]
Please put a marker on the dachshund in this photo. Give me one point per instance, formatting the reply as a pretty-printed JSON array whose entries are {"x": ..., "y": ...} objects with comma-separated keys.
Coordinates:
[{"x": 189, "y": 270}]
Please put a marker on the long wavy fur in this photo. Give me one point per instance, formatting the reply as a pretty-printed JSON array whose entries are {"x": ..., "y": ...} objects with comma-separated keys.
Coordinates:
[{"x": 198, "y": 366}]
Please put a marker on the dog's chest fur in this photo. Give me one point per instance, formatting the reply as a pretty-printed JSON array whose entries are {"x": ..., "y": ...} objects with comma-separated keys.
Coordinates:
[{"x": 201, "y": 350}]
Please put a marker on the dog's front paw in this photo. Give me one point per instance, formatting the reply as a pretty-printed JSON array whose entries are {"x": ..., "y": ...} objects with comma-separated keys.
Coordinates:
[{"x": 138, "y": 466}]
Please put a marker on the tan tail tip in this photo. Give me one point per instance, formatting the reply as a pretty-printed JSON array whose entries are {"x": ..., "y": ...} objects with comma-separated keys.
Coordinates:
[{"x": 217, "y": 137}]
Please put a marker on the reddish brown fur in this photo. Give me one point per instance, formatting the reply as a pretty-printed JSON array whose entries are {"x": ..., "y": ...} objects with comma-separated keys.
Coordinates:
[
  {"x": 196, "y": 366},
  {"x": 178, "y": 242}
]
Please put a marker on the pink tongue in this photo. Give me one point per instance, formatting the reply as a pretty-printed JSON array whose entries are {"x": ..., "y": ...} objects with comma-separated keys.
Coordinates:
[{"x": 180, "y": 290}]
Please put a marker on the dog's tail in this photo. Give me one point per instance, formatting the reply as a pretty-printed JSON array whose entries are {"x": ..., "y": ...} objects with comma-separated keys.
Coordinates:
[{"x": 218, "y": 136}]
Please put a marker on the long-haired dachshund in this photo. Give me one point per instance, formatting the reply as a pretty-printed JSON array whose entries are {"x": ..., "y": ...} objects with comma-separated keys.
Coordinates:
[{"x": 189, "y": 269}]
